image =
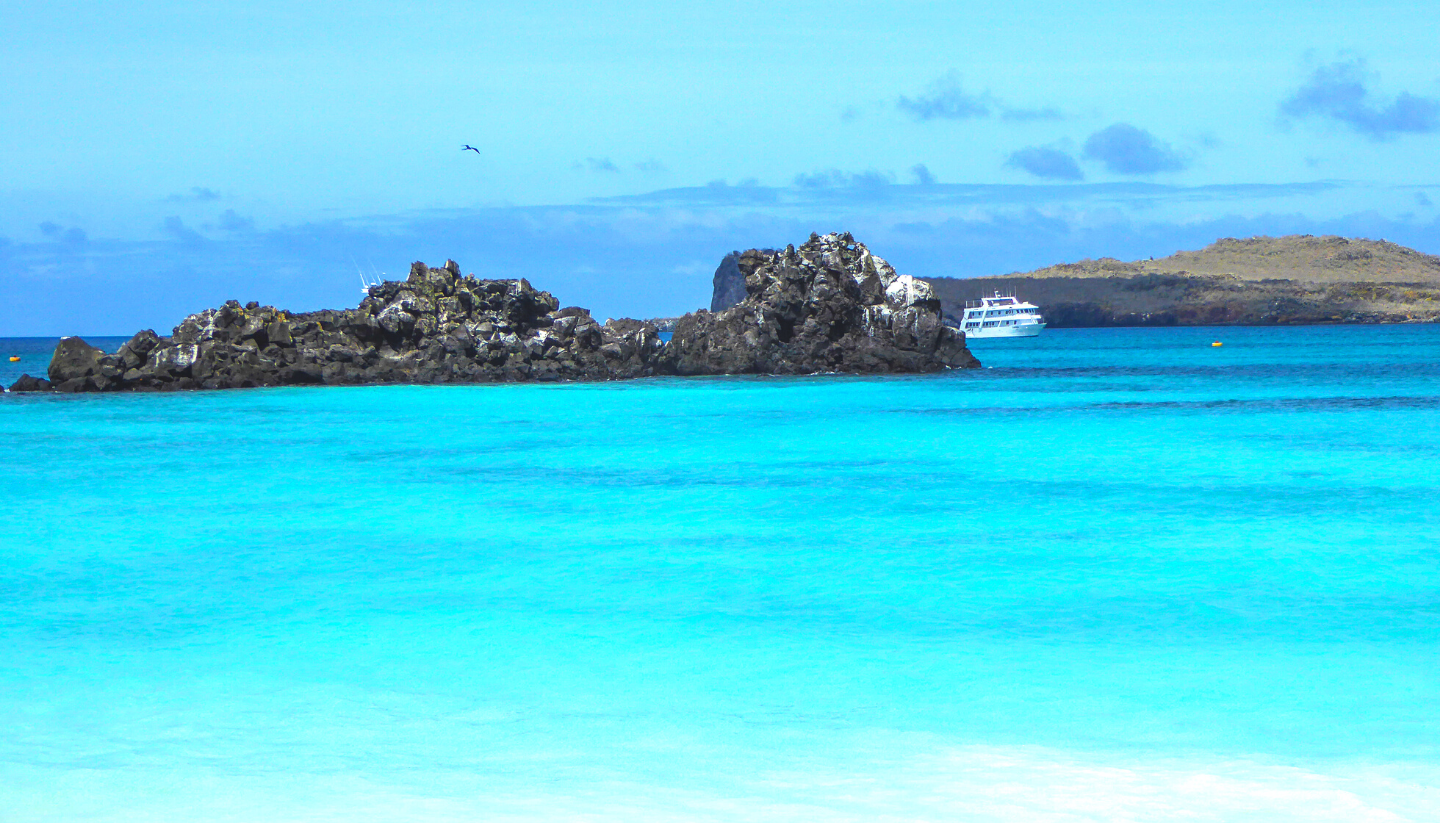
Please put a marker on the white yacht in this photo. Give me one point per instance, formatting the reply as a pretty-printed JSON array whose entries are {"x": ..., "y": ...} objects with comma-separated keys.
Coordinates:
[{"x": 1001, "y": 315}]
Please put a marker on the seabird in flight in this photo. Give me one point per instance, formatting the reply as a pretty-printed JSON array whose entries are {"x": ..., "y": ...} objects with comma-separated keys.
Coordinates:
[{"x": 469, "y": 147}]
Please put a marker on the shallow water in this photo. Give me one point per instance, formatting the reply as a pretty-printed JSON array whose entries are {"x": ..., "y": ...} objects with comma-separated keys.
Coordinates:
[{"x": 1116, "y": 575}]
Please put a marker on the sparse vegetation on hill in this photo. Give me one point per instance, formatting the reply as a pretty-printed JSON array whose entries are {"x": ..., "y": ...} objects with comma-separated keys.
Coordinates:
[{"x": 1252, "y": 281}]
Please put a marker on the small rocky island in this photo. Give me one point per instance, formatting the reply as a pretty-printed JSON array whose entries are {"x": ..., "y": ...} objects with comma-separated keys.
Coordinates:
[{"x": 827, "y": 306}]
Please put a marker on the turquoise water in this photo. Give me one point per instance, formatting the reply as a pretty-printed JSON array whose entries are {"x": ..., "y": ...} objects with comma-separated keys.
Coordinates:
[{"x": 1116, "y": 575}]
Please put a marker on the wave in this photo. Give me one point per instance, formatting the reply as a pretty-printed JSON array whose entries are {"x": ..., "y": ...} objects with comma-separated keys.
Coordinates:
[{"x": 984, "y": 784}]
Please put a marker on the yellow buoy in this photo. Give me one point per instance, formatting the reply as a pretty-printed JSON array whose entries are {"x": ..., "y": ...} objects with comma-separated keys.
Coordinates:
[
  {"x": 15, "y": 358},
  {"x": 1216, "y": 343}
]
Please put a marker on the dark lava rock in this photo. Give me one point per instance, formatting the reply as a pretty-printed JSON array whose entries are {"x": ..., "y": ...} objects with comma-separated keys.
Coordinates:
[
  {"x": 137, "y": 350},
  {"x": 728, "y": 286},
  {"x": 828, "y": 306},
  {"x": 28, "y": 383},
  {"x": 76, "y": 366},
  {"x": 435, "y": 327}
]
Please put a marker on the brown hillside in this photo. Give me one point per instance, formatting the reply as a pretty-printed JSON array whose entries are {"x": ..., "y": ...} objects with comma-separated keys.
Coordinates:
[
  {"x": 1327, "y": 259},
  {"x": 1257, "y": 280}
]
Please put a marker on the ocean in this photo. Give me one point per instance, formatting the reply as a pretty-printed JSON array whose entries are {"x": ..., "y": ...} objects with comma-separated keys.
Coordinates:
[{"x": 1115, "y": 575}]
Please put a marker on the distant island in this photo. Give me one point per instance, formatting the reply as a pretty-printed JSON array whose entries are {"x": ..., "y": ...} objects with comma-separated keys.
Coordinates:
[
  {"x": 829, "y": 305},
  {"x": 1299, "y": 279}
]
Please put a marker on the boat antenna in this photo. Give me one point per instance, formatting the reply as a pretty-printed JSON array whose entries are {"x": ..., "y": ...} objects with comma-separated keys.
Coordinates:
[{"x": 364, "y": 284}]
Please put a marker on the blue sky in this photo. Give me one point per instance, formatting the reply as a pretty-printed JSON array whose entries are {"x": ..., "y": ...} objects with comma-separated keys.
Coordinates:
[{"x": 161, "y": 159}]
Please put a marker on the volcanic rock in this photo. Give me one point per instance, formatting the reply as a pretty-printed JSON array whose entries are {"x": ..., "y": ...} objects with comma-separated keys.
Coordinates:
[
  {"x": 76, "y": 366},
  {"x": 828, "y": 306},
  {"x": 434, "y": 327},
  {"x": 728, "y": 285},
  {"x": 26, "y": 383}
]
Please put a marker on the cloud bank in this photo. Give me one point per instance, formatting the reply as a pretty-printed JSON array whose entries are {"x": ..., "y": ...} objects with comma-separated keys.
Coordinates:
[
  {"x": 600, "y": 164},
  {"x": 1338, "y": 92},
  {"x": 1051, "y": 164},
  {"x": 834, "y": 178},
  {"x": 946, "y": 99},
  {"x": 197, "y": 194},
  {"x": 1125, "y": 149}
]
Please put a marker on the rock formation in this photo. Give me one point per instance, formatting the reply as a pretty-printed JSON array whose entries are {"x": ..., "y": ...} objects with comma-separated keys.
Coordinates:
[
  {"x": 728, "y": 286},
  {"x": 26, "y": 383},
  {"x": 828, "y": 306},
  {"x": 435, "y": 327}
]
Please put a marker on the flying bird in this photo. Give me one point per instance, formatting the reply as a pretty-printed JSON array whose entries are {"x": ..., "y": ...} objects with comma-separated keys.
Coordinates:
[{"x": 469, "y": 147}]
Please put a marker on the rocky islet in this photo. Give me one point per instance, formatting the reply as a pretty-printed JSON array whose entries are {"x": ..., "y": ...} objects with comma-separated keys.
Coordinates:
[{"x": 827, "y": 306}]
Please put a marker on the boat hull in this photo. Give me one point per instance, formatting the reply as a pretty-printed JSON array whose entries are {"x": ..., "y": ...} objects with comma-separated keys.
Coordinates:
[{"x": 1027, "y": 330}]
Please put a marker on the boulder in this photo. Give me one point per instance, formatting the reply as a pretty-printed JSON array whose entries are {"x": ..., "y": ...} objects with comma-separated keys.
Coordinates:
[
  {"x": 74, "y": 361},
  {"x": 137, "y": 349},
  {"x": 26, "y": 383}
]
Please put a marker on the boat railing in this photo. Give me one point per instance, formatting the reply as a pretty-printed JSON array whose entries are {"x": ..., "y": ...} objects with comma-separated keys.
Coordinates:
[
  {"x": 980, "y": 304},
  {"x": 984, "y": 301}
]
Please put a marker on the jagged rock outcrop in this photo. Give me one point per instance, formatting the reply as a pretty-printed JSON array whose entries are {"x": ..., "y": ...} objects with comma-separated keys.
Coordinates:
[
  {"x": 828, "y": 306},
  {"x": 728, "y": 285},
  {"x": 435, "y": 327}
]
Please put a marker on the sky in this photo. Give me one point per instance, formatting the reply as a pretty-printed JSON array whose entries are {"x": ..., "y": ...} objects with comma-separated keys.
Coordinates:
[{"x": 160, "y": 158}]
